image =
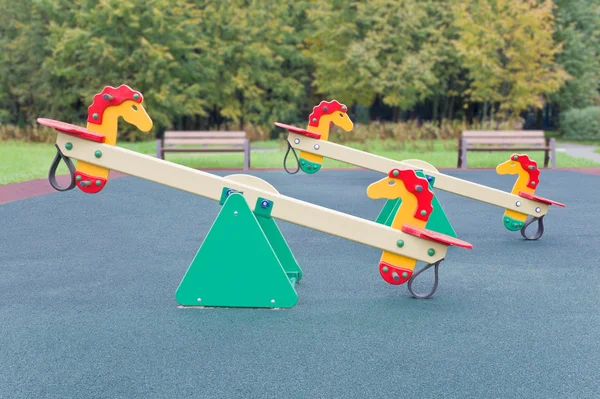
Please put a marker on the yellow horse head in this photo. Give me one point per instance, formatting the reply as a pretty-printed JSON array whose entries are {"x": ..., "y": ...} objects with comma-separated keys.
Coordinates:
[{"x": 319, "y": 121}]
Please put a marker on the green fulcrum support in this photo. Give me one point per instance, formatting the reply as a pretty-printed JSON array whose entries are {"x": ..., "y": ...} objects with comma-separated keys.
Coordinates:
[
  {"x": 238, "y": 264},
  {"x": 438, "y": 221}
]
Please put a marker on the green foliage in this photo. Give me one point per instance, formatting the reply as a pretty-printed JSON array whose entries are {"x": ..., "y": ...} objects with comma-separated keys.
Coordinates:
[
  {"x": 234, "y": 64},
  {"x": 581, "y": 124},
  {"x": 579, "y": 32}
]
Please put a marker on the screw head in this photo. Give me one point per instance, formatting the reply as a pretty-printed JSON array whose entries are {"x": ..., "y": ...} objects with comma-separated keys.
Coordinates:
[
  {"x": 317, "y": 146},
  {"x": 431, "y": 252},
  {"x": 344, "y": 108},
  {"x": 385, "y": 269},
  {"x": 78, "y": 178},
  {"x": 423, "y": 212},
  {"x": 265, "y": 204},
  {"x": 395, "y": 173},
  {"x": 400, "y": 243},
  {"x": 272, "y": 300},
  {"x": 199, "y": 299},
  {"x": 95, "y": 116},
  {"x": 533, "y": 183},
  {"x": 516, "y": 157},
  {"x": 235, "y": 213},
  {"x": 404, "y": 274},
  {"x": 538, "y": 210},
  {"x": 518, "y": 203},
  {"x": 325, "y": 109},
  {"x": 314, "y": 120},
  {"x": 297, "y": 141},
  {"x": 107, "y": 97},
  {"x": 136, "y": 96},
  {"x": 69, "y": 145},
  {"x": 98, "y": 154},
  {"x": 418, "y": 188},
  {"x": 98, "y": 183}
]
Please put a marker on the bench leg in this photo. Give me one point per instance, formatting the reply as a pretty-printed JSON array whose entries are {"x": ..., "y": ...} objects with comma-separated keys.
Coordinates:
[
  {"x": 159, "y": 153},
  {"x": 553, "y": 152},
  {"x": 247, "y": 155},
  {"x": 463, "y": 153}
]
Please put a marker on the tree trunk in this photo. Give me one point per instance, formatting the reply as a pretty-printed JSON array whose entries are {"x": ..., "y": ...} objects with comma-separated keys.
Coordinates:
[
  {"x": 539, "y": 119},
  {"x": 395, "y": 114}
]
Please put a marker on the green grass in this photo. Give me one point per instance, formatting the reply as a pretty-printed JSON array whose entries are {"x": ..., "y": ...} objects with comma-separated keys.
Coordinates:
[{"x": 21, "y": 161}]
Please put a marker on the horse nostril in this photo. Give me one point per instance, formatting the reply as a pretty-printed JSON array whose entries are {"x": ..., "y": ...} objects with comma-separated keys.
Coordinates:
[
  {"x": 133, "y": 107},
  {"x": 341, "y": 115},
  {"x": 391, "y": 183}
]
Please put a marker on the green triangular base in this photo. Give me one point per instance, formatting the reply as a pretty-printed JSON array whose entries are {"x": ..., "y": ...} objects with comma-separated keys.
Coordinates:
[
  {"x": 438, "y": 221},
  {"x": 236, "y": 266}
]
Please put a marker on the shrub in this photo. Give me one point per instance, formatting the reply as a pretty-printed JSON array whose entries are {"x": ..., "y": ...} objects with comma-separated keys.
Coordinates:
[
  {"x": 34, "y": 134},
  {"x": 581, "y": 124}
]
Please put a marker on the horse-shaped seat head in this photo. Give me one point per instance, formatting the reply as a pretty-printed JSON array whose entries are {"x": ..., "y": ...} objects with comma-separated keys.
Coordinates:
[
  {"x": 326, "y": 113},
  {"x": 525, "y": 167},
  {"x": 103, "y": 118},
  {"x": 413, "y": 190},
  {"x": 528, "y": 181},
  {"x": 112, "y": 103},
  {"x": 319, "y": 121}
]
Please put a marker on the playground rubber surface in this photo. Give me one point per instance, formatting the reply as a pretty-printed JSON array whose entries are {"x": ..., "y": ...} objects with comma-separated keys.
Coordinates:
[{"x": 88, "y": 310}]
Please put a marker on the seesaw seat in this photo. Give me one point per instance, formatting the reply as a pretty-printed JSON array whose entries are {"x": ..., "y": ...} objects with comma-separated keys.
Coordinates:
[
  {"x": 297, "y": 130},
  {"x": 436, "y": 237},
  {"x": 72, "y": 130},
  {"x": 539, "y": 199}
]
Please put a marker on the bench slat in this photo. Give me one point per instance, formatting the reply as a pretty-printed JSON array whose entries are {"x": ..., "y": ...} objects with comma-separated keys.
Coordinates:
[
  {"x": 229, "y": 149},
  {"x": 504, "y": 133},
  {"x": 510, "y": 149},
  {"x": 505, "y": 140},
  {"x": 232, "y": 141},
  {"x": 196, "y": 134}
]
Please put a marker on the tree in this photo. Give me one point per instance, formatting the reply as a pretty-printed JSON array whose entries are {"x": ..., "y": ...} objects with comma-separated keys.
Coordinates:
[
  {"x": 509, "y": 52},
  {"x": 385, "y": 48}
]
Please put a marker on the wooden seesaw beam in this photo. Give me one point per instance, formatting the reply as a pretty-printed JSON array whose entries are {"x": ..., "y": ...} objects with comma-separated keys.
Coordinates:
[
  {"x": 442, "y": 181},
  {"x": 285, "y": 208}
]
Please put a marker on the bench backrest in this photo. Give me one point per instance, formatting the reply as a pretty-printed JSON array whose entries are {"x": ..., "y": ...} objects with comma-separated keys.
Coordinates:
[
  {"x": 504, "y": 137},
  {"x": 193, "y": 137}
]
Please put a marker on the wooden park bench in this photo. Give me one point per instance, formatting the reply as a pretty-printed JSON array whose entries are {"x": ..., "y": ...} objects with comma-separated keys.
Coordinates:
[
  {"x": 502, "y": 140},
  {"x": 188, "y": 141}
]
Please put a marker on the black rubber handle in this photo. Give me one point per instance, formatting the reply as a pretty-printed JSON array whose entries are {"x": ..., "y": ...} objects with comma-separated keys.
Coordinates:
[{"x": 52, "y": 172}]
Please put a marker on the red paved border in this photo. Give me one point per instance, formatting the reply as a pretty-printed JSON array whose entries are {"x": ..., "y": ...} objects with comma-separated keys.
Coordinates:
[{"x": 35, "y": 188}]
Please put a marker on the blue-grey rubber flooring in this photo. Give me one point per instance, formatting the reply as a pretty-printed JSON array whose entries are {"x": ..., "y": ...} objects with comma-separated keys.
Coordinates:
[{"x": 87, "y": 305}]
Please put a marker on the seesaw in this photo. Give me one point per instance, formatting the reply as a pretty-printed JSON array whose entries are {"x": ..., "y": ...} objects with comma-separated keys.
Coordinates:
[
  {"x": 522, "y": 206},
  {"x": 244, "y": 260}
]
